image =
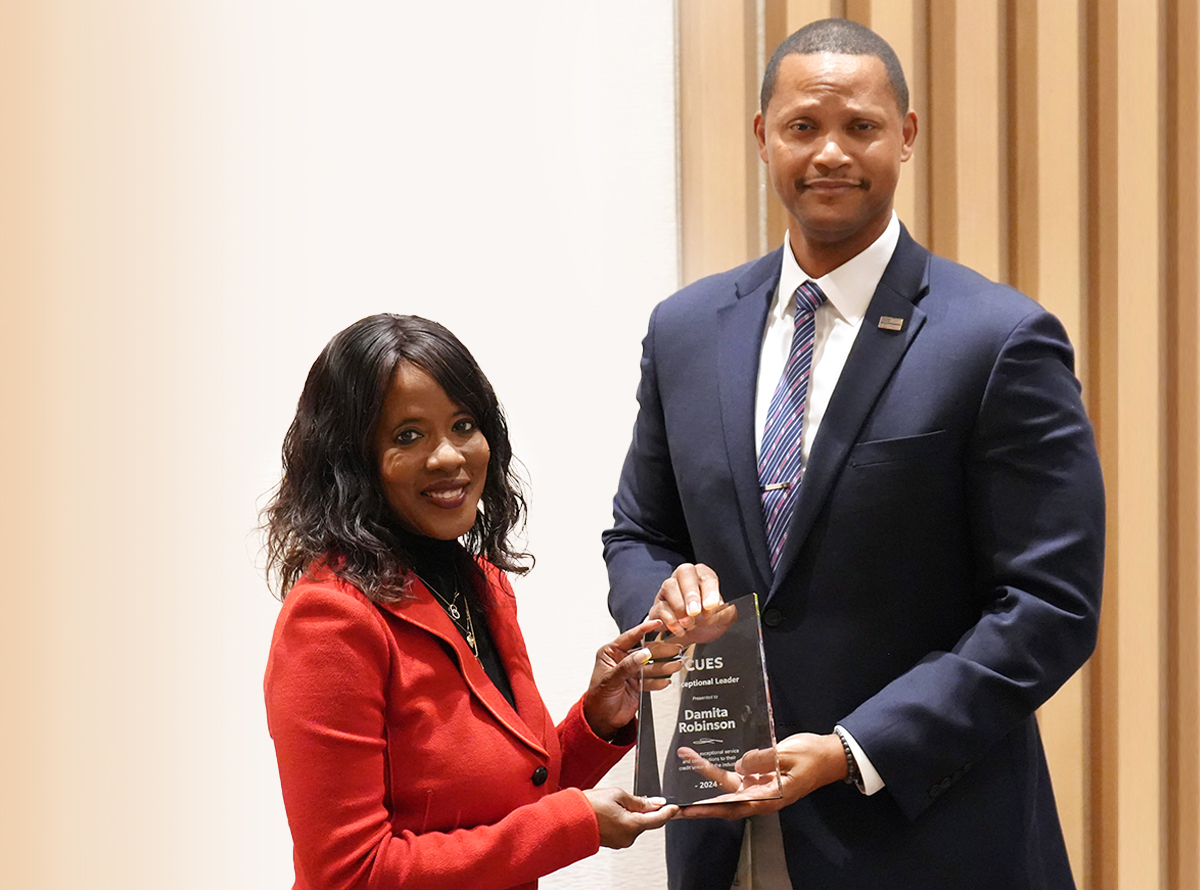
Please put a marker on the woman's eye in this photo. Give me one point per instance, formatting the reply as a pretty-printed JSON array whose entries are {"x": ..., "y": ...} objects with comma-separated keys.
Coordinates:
[
  {"x": 407, "y": 437},
  {"x": 466, "y": 426}
]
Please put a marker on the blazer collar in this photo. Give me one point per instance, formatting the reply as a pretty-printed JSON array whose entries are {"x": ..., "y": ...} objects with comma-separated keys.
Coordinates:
[
  {"x": 528, "y": 722},
  {"x": 872, "y": 360}
]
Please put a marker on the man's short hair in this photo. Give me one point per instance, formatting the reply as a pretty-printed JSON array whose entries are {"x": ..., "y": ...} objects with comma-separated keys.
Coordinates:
[{"x": 837, "y": 36}]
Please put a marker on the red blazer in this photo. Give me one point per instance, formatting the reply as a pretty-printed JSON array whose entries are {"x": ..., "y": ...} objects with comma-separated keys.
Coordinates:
[{"x": 401, "y": 763}]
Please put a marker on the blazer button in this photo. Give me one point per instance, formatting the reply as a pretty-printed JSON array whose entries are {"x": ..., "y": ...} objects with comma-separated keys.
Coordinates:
[
  {"x": 540, "y": 775},
  {"x": 772, "y": 617}
]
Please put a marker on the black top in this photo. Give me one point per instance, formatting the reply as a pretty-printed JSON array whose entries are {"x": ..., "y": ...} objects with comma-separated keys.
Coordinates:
[{"x": 446, "y": 568}]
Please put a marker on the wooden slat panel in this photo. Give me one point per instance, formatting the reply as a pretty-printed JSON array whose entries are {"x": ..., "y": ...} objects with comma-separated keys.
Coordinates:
[
  {"x": 968, "y": 196},
  {"x": 1183, "y": 288},
  {"x": 1047, "y": 228},
  {"x": 1060, "y": 283},
  {"x": 801, "y": 12},
  {"x": 1139, "y": 524},
  {"x": 719, "y": 195},
  {"x": 941, "y": 128},
  {"x": 1102, "y": 377},
  {"x": 904, "y": 24},
  {"x": 980, "y": 140},
  {"x": 1025, "y": 145},
  {"x": 1129, "y": 832}
]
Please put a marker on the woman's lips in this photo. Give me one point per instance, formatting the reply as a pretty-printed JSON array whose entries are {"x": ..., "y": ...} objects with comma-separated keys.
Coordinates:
[{"x": 448, "y": 496}]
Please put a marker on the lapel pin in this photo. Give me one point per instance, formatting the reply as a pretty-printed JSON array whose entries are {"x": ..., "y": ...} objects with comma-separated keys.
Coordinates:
[{"x": 890, "y": 323}]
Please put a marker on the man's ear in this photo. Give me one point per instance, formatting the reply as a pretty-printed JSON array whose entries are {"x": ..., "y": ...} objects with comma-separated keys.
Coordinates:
[
  {"x": 910, "y": 135},
  {"x": 760, "y": 133}
]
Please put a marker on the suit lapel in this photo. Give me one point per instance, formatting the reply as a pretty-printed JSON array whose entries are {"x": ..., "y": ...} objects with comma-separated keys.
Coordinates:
[
  {"x": 740, "y": 326},
  {"x": 420, "y": 609},
  {"x": 872, "y": 360}
]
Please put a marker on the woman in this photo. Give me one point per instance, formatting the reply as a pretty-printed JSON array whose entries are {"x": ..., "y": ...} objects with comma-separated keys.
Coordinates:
[{"x": 414, "y": 750}]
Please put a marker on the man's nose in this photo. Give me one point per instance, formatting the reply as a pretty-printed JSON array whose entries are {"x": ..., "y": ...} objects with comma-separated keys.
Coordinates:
[{"x": 830, "y": 154}]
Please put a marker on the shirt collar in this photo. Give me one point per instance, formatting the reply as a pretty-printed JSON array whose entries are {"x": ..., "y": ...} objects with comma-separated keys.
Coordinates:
[{"x": 851, "y": 285}]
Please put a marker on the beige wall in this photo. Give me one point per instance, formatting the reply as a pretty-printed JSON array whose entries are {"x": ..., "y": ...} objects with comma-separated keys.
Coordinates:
[
  {"x": 1058, "y": 152},
  {"x": 195, "y": 195}
]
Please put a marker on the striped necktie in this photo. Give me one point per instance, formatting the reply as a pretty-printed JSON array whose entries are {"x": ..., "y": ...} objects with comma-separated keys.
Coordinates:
[{"x": 779, "y": 455}]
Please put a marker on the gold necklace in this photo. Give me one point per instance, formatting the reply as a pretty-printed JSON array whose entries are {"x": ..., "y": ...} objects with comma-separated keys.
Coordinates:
[{"x": 468, "y": 629}]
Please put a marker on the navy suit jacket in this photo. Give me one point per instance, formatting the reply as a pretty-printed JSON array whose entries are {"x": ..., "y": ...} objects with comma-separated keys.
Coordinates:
[{"x": 940, "y": 580}]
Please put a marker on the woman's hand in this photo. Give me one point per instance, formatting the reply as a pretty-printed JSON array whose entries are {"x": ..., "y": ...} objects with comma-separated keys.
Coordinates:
[
  {"x": 613, "y": 694},
  {"x": 623, "y": 816}
]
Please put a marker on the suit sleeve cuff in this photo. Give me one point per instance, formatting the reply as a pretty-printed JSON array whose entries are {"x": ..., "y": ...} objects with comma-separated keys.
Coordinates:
[{"x": 871, "y": 780}]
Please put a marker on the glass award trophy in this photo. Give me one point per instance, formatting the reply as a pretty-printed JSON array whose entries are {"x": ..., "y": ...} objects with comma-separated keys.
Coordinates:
[{"x": 709, "y": 737}]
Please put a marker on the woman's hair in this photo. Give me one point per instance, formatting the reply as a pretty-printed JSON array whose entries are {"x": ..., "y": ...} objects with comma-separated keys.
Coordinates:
[{"x": 330, "y": 504}]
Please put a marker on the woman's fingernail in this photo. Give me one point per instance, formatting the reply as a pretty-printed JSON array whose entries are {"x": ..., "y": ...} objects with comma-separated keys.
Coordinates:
[{"x": 642, "y": 656}]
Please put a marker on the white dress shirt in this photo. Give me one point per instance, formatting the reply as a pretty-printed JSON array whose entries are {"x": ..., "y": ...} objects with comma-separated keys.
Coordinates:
[{"x": 848, "y": 290}]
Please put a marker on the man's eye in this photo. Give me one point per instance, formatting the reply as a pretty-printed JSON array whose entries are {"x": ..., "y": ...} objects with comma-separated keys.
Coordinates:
[{"x": 801, "y": 127}]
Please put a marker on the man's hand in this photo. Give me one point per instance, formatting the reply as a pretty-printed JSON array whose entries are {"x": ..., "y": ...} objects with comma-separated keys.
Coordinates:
[
  {"x": 689, "y": 604},
  {"x": 755, "y": 776},
  {"x": 806, "y": 762}
]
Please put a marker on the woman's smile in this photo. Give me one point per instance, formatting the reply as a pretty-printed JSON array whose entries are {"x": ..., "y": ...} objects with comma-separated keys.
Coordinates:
[
  {"x": 447, "y": 495},
  {"x": 433, "y": 458}
]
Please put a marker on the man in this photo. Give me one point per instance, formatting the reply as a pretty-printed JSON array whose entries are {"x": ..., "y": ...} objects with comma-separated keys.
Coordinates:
[{"x": 936, "y": 574}]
